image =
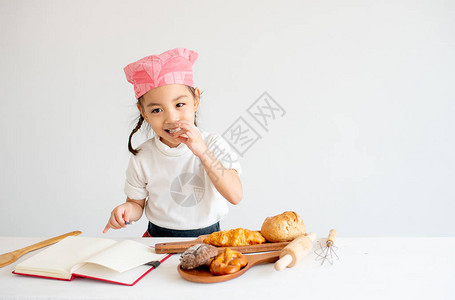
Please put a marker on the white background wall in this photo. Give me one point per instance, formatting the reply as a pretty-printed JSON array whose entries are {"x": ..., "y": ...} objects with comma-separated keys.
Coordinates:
[{"x": 366, "y": 145}]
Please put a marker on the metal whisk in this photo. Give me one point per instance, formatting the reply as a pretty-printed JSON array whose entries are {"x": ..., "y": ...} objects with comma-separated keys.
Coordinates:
[{"x": 328, "y": 251}]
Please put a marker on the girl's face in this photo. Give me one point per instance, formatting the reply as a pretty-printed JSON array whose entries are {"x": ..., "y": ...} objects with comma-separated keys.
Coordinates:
[{"x": 164, "y": 106}]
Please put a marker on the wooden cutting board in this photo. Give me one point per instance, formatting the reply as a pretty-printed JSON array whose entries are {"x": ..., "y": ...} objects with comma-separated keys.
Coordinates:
[{"x": 179, "y": 247}]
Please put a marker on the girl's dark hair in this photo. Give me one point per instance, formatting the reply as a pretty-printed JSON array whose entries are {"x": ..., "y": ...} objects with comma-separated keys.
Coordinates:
[{"x": 141, "y": 120}]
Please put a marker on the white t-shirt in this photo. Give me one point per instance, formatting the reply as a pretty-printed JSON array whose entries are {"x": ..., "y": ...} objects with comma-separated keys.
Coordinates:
[{"x": 180, "y": 194}]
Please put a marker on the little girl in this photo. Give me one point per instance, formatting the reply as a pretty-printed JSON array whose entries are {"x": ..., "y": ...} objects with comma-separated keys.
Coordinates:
[{"x": 183, "y": 176}]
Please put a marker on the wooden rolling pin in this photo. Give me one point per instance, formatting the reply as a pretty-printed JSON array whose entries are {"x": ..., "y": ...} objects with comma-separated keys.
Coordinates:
[{"x": 293, "y": 253}]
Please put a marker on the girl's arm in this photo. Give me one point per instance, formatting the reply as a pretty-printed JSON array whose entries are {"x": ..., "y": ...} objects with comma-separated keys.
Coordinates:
[
  {"x": 227, "y": 182},
  {"x": 129, "y": 211}
]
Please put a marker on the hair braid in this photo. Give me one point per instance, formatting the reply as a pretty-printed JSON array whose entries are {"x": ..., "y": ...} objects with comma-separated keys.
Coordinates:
[{"x": 138, "y": 126}]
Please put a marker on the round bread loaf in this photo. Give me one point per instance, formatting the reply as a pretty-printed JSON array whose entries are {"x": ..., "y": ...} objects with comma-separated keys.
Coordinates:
[{"x": 284, "y": 227}]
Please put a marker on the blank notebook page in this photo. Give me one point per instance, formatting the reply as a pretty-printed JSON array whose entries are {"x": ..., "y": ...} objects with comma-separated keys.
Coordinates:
[
  {"x": 61, "y": 257},
  {"x": 124, "y": 256}
]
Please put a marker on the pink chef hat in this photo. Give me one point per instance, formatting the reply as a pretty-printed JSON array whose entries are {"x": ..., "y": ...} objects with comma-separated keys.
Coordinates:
[{"x": 171, "y": 67}]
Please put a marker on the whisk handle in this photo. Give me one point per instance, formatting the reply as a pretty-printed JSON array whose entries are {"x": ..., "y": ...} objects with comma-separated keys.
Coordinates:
[{"x": 332, "y": 235}]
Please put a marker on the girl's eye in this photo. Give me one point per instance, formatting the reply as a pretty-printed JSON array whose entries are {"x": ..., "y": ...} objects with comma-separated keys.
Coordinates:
[
  {"x": 179, "y": 104},
  {"x": 156, "y": 110}
]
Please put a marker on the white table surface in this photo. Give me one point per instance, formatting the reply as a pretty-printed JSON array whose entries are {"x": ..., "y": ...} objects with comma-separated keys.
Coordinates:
[{"x": 369, "y": 268}]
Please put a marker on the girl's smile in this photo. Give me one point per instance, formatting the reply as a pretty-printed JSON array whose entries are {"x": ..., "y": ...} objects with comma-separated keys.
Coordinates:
[{"x": 172, "y": 131}]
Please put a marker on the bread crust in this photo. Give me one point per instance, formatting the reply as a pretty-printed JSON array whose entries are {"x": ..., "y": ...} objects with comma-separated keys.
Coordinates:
[
  {"x": 283, "y": 227},
  {"x": 228, "y": 262},
  {"x": 198, "y": 255}
]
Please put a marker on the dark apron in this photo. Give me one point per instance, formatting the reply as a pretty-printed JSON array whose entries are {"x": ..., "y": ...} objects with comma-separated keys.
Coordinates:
[{"x": 156, "y": 231}]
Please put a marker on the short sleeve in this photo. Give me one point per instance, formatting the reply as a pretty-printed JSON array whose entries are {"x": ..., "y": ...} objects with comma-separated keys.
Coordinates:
[
  {"x": 224, "y": 153},
  {"x": 135, "y": 184}
]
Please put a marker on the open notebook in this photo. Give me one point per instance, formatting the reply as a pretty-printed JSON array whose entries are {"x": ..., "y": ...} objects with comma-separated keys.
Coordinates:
[{"x": 103, "y": 259}]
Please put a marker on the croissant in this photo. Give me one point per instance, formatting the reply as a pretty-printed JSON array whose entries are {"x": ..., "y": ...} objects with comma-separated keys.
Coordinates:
[{"x": 235, "y": 237}]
